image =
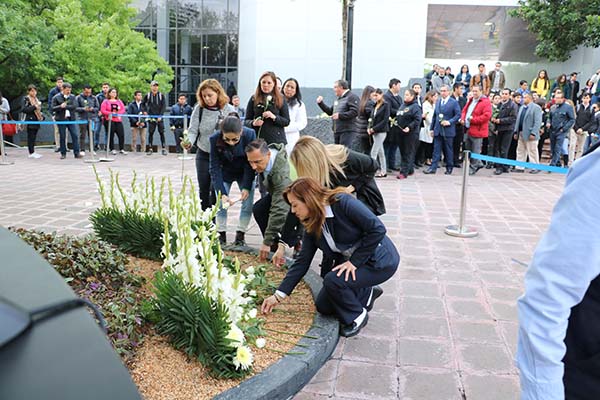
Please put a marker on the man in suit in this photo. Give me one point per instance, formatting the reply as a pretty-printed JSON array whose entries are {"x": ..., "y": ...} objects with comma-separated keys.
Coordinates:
[
  {"x": 476, "y": 117},
  {"x": 343, "y": 112},
  {"x": 527, "y": 132},
  {"x": 505, "y": 124},
  {"x": 390, "y": 144},
  {"x": 443, "y": 128},
  {"x": 560, "y": 122},
  {"x": 457, "y": 94}
]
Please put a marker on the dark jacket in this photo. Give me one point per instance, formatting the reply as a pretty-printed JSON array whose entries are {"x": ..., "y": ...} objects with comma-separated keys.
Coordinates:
[
  {"x": 272, "y": 131},
  {"x": 357, "y": 233},
  {"x": 565, "y": 88},
  {"x": 380, "y": 118},
  {"x": 360, "y": 170},
  {"x": 82, "y": 102},
  {"x": 53, "y": 92},
  {"x": 409, "y": 116},
  {"x": 230, "y": 163},
  {"x": 179, "y": 110},
  {"x": 29, "y": 110},
  {"x": 362, "y": 120},
  {"x": 134, "y": 109},
  {"x": 507, "y": 116},
  {"x": 276, "y": 181},
  {"x": 347, "y": 107},
  {"x": 585, "y": 118},
  {"x": 574, "y": 90},
  {"x": 561, "y": 118},
  {"x": 395, "y": 102},
  {"x": 60, "y": 112},
  {"x": 155, "y": 104},
  {"x": 451, "y": 113}
]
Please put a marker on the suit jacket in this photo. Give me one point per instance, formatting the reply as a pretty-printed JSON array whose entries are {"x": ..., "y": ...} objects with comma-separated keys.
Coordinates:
[
  {"x": 132, "y": 108},
  {"x": 532, "y": 121},
  {"x": 395, "y": 102},
  {"x": 380, "y": 118},
  {"x": 357, "y": 233},
  {"x": 492, "y": 76},
  {"x": 507, "y": 116},
  {"x": 347, "y": 108},
  {"x": 451, "y": 113}
]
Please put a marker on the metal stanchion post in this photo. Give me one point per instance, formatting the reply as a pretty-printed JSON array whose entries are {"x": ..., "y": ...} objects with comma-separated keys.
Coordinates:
[
  {"x": 91, "y": 133},
  {"x": 108, "y": 136},
  {"x": 461, "y": 230},
  {"x": 3, "y": 161},
  {"x": 185, "y": 155}
]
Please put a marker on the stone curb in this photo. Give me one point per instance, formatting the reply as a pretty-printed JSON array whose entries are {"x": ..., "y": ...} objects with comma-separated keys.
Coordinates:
[{"x": 287, "y": 376}]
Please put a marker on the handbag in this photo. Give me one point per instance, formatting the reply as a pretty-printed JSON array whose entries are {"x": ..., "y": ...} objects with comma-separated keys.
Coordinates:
[{"x": 9, "y": 129}]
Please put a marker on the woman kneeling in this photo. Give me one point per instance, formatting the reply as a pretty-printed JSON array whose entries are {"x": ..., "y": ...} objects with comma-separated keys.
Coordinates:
[{"x": 346, "y": 230}]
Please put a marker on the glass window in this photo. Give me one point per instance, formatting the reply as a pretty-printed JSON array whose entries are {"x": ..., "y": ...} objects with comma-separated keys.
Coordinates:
[
  {"x": 232, "y": 50},
  {"x": 214, "y": 14},
  {"x": 189, "y": 14},
  {"x": 214, "y": 50}
]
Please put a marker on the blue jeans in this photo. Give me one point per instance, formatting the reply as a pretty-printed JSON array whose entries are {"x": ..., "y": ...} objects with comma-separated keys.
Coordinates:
[
  {"x": 62, "y": 130},
  {"x": 245, "y": 212},
  {"x": 556, "y": 145}
]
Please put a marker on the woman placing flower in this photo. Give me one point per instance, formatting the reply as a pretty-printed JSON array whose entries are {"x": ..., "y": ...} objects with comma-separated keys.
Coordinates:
[
  {"x": 345, "y": 230},
  {"x": 213, "y": 106},
  {"x": 267, "y": 112},
  {"x": 228, "y": 164},
  {"x": 111, "y": 107},
  {"x": 379, "y": 125},
  {"x": 297, "y": 110}
]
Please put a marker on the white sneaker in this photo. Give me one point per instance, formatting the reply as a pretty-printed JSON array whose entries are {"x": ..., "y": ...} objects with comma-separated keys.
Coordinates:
[
  {"x": 114, "y": 152},
  {"x": 82, "y": 153},
  {"x": 123, "y": 152},
  {"x": 35, "y": 155}
]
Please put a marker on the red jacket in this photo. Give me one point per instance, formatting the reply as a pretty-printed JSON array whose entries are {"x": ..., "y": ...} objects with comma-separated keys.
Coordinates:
[{"x": 480, "y": 117}]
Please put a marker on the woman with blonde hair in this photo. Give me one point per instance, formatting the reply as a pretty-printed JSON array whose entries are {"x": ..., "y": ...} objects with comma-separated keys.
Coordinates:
[
  {"x": 213, "y": 106},
  {"x": 334, "y": 165},
  {"x": 350, "y": 234}
]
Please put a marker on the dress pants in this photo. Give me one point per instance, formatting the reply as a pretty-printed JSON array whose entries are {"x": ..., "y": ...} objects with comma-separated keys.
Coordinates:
[
  {"x": 290, "y": 233},
  {"x": 556, "y": 145},
  {"x": 345, "y": 138},
  {"x": 527, "y": 148},
  {"x": 346, "y": 299},
  {"x": 207, "y": 195},
  {"x": 474, "y": 145},
  {"x": 408, "y": 143},
  {"x": 73, "y": 131},
  {"x": 152, "y": 125},
  {"x": 32, "y": 131},
  {"x": 457, "y": 142},
  {"x": 442, "y": 143},
  {"x": 576, "y": 144},
  {"x": 501, "y": 146}
]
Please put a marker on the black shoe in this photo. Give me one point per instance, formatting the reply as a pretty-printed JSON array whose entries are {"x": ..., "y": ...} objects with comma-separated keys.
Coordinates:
[
  {"x": 498, "y": 172},
  {"x": 63, "y": 156},
  {"x": 222, "y": 238},
  {"x": 56, "y": 150},
  {"x": 240, "y": 239},
  {"x": 519, "y": 171},
  {"x": 534, "y": 171},
  {"x": 418, "y": 165},
  {"x": 377, "y": 291},
  {"x": 429, "y": 171},
  {"x": 489, "y": 166},
  {"x": 474, "y": 170},
  {"x": 448, "y": 171},
  {"x": 353, "y": 329},
  {"x": 457, "y": 163}
]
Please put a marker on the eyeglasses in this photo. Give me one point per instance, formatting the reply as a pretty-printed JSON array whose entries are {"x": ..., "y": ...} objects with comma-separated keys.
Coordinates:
[{"x": 231, "y": 139}]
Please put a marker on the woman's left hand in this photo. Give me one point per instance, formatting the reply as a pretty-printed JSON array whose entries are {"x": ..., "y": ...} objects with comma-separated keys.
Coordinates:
[
  {"x": 348, "y": 268},
  {"x": 406, "y": 130},
  {"x": 268, "y": 304},
  {"x": 269, "y": 114}
]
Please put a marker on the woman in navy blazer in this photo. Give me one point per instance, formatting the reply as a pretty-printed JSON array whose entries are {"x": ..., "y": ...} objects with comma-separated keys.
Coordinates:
[
  {"x": 346, "y": 230},
  {"x": 228, "y": 164}
]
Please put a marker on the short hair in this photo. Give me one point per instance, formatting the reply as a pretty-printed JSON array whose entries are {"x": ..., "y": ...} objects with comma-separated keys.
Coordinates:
[
  {"x": 456, "y": 86},
  {"x": 343, "y": 84},
  {"x": 495, "y": 95},
  {"x": 59, "y": 78},
  {"x": 235, "y": 96},
  {"x": 87, "y": 86},
  {"x": 517, "y": 94},
  {"x": 498, "y": 63},
  {"x": 258, "y": 144},
  {"x": 557, "y": 92},
  {"x": 182, "y": 94},
  {"x": 528, "y": 94},
  {"x": 66, "y": 85},
  {"x": 105, "y": 84},
  {"x": 416, "y": 84},
  {"x": 585, "y": 95},
  {"x": 480, "y": 65},
  {"x": 508, "y": 90},
  {"x": 393, "y": 81},
  {"x": 137, "y": 92},
  {"x": 522, "y": 81},
  {"x": 445, "y": 86},
  {"x": 574, "y": 74}
]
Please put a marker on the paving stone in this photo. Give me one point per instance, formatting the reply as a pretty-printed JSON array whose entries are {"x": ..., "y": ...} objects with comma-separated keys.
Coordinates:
[
  {"x": 425, "y": 385},
  {"x": 466, "y": 309},
  {"x": 380, "y": 351},
  {"x": 508, "y": 294},
  {"x": 366, "y": 381},
  {"x": 491, "y": 387},
  {"x": 422, "y": 307},
  {"x": 420, "y": 289},
  {"x": 506, "y": 312},
  {"x": 424, "y": 327},
  {"x": 458, "y": 276},
  {"x": 380, "y": 326},
  {"x": 484, "y": 357},
  {"x": 479, "y": 332},
  {"x": 324, "y": 380},
  {"x": 424, "y": 353},
  {"x": 418, "y": 274},
  {"x": 462, "y": 291}
]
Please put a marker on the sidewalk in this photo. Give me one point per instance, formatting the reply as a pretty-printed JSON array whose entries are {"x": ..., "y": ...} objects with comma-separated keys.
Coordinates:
[{"x": 445, "y": 327}]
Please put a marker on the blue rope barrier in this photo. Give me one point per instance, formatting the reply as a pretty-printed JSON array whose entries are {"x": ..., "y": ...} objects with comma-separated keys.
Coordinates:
[
  {"x": 8, "y": 122},
  {"x": 150, "y": 116},
  {"x": 540, "y": 167}
]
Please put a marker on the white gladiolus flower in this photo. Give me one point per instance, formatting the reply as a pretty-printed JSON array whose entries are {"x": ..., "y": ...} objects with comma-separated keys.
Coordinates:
[
  {"x": 236, "y": 336},
  {"x": 243, "y": 358},
  {"x": 269, "y": 98},
  {"x": 261, "y": 342}
]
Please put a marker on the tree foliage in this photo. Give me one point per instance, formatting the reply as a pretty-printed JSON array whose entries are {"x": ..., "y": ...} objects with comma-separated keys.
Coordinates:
[
  {"x": 561, "y": 25},
  {"x": 87, "y": 41}
]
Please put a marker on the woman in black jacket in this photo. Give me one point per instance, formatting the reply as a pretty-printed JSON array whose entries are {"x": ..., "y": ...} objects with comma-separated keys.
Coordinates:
[
  {"x": 32, "y": 108},
  {"x": 408, "y": 119},
  {"x": 379, "y": 124},
  {"x": 267, "y": 113},
  {"x": 365, "y": 107}
]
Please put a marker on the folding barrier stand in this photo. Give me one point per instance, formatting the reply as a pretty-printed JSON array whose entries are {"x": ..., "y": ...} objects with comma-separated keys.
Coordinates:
[
  {"x": 91, "y": 133},
  {"x": 108, "y": 137},
  {"x": 461, "y": 230}
]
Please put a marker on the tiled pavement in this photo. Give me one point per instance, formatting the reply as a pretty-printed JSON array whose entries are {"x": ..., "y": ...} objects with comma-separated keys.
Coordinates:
[{"x": 445, "y": 327}]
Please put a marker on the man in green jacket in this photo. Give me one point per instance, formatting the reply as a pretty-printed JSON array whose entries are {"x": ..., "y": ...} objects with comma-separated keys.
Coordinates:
[{"x": 272, "y": 213}]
